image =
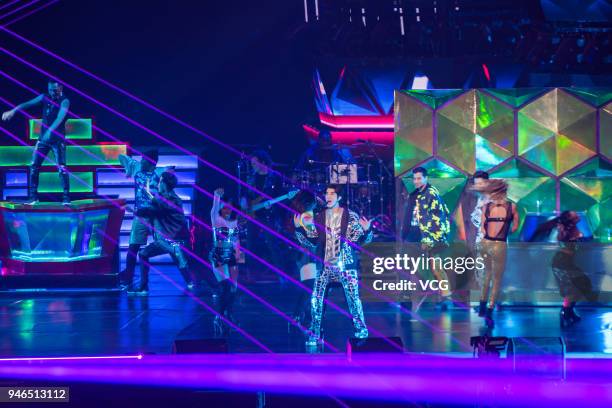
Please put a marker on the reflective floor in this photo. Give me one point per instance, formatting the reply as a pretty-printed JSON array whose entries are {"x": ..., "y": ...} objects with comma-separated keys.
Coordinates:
[{"x": 98, "y": 323}]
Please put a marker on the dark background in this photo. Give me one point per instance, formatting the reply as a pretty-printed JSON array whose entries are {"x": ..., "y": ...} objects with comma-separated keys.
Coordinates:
[{"x": 241, "y": 71}]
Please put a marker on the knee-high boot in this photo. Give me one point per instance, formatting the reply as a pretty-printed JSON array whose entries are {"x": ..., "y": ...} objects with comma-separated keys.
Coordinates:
[
  {"x": 224, "y": 305},
  {"x": 130, "y": 264}
]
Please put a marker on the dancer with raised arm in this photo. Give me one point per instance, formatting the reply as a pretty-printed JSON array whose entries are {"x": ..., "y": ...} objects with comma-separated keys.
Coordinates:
[
  {"x": 169, "y": 230},
  {"x": 223, "y": 258},
  {"x": 55, "y": 107}
]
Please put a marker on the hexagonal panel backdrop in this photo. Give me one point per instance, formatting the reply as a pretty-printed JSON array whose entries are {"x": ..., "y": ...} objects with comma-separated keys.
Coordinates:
[
  {"x": 413, "y": 132},
  {"x": 475, "y": 131},
  {"x": 546, "y": 142},
  {"x": 557, "y": 131},
  {"x": 589, "y": 188}
]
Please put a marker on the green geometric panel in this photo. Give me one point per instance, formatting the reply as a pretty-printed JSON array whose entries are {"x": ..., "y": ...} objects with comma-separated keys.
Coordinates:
[
  {"x": 531, "y": 134},
  {"x": 595, "y": 96},
  {"x": 489, "y": 154},
  {"x": 75, "y": 129},
  {"x": 98, "y": 155},
  {"x": 456, "y": 144},
  {"x": 544, "y": 154},
  {"x": 516, "y": 169},
  {"x": 413, "y": 133},
  {"x": 515, "y": 97},
  {"x": 531, "y": 190},
  {"x": 433, "y": 98},
  {"x": 438, "y": 169},
  {"x": 589, "y": 188},
  {"x": 80, "y": 182},
  {"x": 543, "y": 111},
  {"x": 557, "y": 131},
  {"x": 605, "y": 131},
  {"x": 462, "y": 110},
  {"x": 475, "y": 131}
]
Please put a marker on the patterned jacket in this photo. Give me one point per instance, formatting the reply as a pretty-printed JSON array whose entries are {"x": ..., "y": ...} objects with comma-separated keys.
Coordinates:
[
  {"x": 432, "y": 216},
  {"x": 142, "y": 202},
  {"x": 350, "y": 230}
]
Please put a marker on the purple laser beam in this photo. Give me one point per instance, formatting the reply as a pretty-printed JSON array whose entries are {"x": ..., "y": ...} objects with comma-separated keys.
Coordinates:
[
  {"x": 259, "y": 259},
  {"x": 28, "y": 14},
  {"x": 18, "y": 8},
  {"x": 10, "y": 3},
  {"x": 243, "y": 332},
  {"x": 212, "y": 166},
  {"x": 166, "y": 140}
]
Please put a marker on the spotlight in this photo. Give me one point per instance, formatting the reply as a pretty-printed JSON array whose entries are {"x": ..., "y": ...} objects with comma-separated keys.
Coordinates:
[
  {"x": 485, "y": 346},
  {"x": 420, "y": 81}
]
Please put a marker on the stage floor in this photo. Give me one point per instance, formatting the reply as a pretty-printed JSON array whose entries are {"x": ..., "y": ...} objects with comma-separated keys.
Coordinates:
[{"x": 113, "y": 323}]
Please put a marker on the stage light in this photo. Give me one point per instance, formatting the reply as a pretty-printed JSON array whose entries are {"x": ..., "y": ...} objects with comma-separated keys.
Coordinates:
[
  {"x": 485, "y": 346},
  {"x": 485, "y": 69},
  {"x": 420, "y": 82}
]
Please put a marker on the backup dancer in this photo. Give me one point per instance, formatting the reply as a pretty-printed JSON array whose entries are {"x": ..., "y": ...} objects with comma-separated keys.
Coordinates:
[
  {"x": 499, "y": 218},
  {"x": 573, "y": 283},
  {"x": 475, "y": 234},
  {"x": 145, "y": 173},
  {"x": 169, "y": 230},
  {"x": 223, "y": 258},
  {"x": 428, "y": 223},
  {"x": 303, "y": 226}
]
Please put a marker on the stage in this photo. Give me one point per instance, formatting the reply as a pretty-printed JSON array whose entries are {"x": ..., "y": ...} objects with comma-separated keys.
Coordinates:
[{"x": 111, "y": 323}]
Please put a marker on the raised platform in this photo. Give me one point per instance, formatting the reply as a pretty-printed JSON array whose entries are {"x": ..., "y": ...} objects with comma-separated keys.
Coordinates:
[{"x": 44, "y": 244}]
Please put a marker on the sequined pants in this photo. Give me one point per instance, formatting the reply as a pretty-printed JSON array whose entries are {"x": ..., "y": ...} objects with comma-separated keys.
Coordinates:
[
  {"x": 350, "y": 284},
  {"x": 494, "y": 253}
]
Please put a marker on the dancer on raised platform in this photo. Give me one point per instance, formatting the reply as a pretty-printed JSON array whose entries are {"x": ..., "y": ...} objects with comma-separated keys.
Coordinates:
[
  {"x": 55, "y": 107},
  {"x": 330, "y": 237}
]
